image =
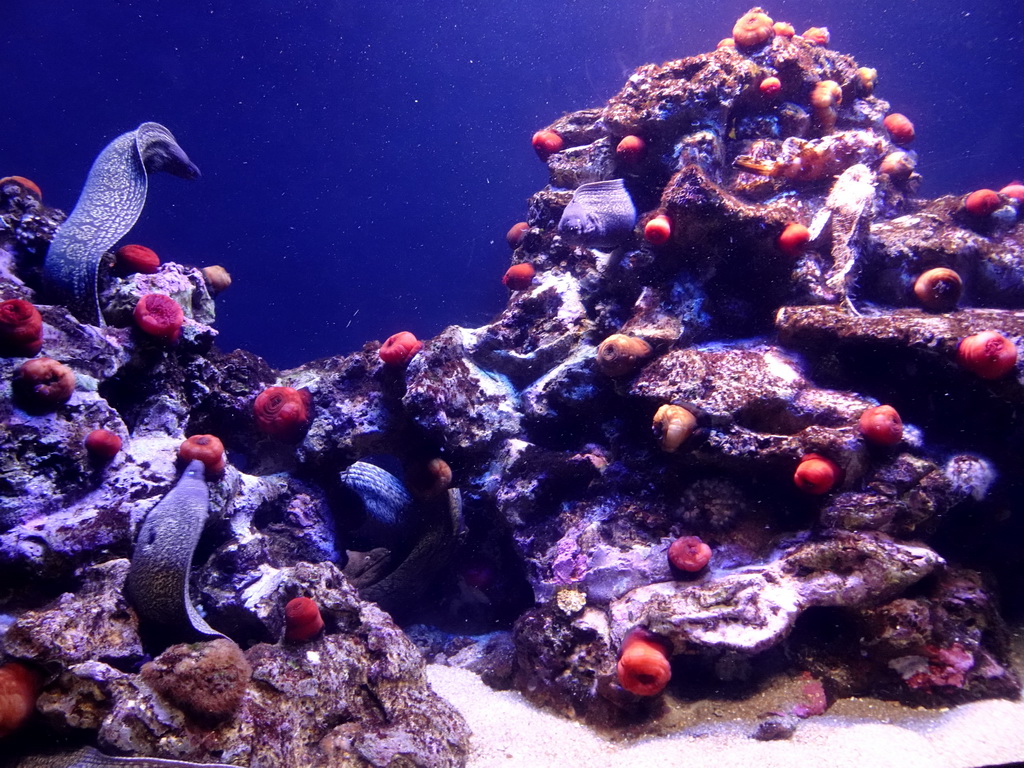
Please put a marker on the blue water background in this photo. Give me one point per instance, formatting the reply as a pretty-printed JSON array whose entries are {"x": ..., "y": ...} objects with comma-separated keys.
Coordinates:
[{"x": 362, "y": 161}]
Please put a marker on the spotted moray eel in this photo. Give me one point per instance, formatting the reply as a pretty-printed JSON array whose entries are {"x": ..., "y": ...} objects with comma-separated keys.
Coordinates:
[
  {"x": 157, "y": 583},
  {"x": 108, "y": 207},
  {"x": 419, "y": 539},
  {"x": 89, "y": 757}
]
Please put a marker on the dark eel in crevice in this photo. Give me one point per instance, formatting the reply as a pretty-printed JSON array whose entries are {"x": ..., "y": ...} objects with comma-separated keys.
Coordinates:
[
  {"x": 418, "y": 539},
  {"x": 108, "y": 207}
]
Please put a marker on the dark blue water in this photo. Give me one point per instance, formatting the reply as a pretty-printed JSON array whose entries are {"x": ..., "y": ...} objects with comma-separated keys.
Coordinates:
[{"x": 362, "y": 161}]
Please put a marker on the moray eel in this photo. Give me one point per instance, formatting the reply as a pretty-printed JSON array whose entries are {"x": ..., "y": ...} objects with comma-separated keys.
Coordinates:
[
  {"x": 110, "y": 204},
  {"x": 385, "y": 498},
  {"x": 394, "y": 581},
  {"x": 417, "y": 539},
  {"x": 157, "y": 583},
  {"x": 601, "y": 214},
  {"x": 89, "y": 757}
]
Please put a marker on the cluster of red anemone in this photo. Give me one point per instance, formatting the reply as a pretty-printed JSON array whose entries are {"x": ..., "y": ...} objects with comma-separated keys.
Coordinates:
[
  {"x": 42, "y": 384},
  {"x": 643, "y": 666}
]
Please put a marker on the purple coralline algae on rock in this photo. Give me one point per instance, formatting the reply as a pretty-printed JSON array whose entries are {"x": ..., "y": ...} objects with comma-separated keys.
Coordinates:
[{"x": 523, "y": 481}]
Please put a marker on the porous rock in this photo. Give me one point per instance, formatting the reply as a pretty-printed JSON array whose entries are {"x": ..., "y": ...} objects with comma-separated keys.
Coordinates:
[{"x": 357, "y": 694}]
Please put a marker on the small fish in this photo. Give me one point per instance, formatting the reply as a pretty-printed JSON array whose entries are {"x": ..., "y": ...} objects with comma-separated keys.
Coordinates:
[
  {"x": 851, "y": 201},
  {"x": 600, "y": 215}
]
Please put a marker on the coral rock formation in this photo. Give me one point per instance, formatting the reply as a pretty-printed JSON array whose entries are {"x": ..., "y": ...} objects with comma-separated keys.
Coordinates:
[{"x": 564, "y": 507}]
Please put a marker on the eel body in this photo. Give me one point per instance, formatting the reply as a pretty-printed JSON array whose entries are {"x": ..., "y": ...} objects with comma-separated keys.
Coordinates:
[
  {"x": 108, "y": 207},
  {"x": 408, "y": 576},
  {"x": 89, "y": 757},
  {"x": 601, "y": 214},
  {"x": 157, "y": 583},
  {"x": 415, "y": 540}
]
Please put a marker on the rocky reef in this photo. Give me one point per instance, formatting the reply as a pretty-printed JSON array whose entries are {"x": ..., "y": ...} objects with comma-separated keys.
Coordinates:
[{"x": 752, "y": 408}]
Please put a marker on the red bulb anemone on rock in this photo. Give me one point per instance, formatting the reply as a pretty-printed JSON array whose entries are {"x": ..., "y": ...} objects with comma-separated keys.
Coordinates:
[
  {"x": 753, "y": 29},
  {"x": 217, "y": 278},
  {"x": 643, "y": 666},
  {"x": 102, "y": 445},
  {"x": 982, "y": 203},
  {"x": 27, "y": 184},
  {"x": 546, "y": 143},
  {"x": 42, "y": 384},
  {"x": 938, "y": 289},
  {"x": 794, "y": 239},
  {"x": 19, "y": 689},
  {"x": 770, "y": 86},
  {"x": 21, "y": 328},
  {"x": 519, "y": 277},
  {"x": 900, "y": 129},
  {"x": 621, "y": 354},
  {"x": 881, "y": 425},
  {"x": 282, "y": 412},
  {"x": 208, "y": 449},
  {"x": 429, "y": 479},
  {"x": 1014, "y": 191},
  {"x": 516, "y": 233},
  {"x": 631, "y": 149},
  {"x": 784, "y": 29},
  {"x": 136, "y": 258},
  {"x": 159, "y": 316},
  {"x": 988, "y": 355},
  {"x": 672, "y": 426},
  {"x": 817, "y": 35},
  {"x": 658, "y": 230},
  {"x": 399, "y": 349},
  {"x": 689, "y": 554},
  {"x": 817, "y": 475}
]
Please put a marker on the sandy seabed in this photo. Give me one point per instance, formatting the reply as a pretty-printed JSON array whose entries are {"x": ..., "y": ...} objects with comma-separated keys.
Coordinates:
[{"x": 508, "y": 731}]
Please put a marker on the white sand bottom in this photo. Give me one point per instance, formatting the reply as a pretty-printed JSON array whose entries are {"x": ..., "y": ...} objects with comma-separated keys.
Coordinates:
[{"x": 510, "y": 732}]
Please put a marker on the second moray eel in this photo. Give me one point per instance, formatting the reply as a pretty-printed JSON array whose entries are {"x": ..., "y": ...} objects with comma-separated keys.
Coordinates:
[
  {"x": 157, "y": 583},
  {"x": 416, "y": 539}
]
